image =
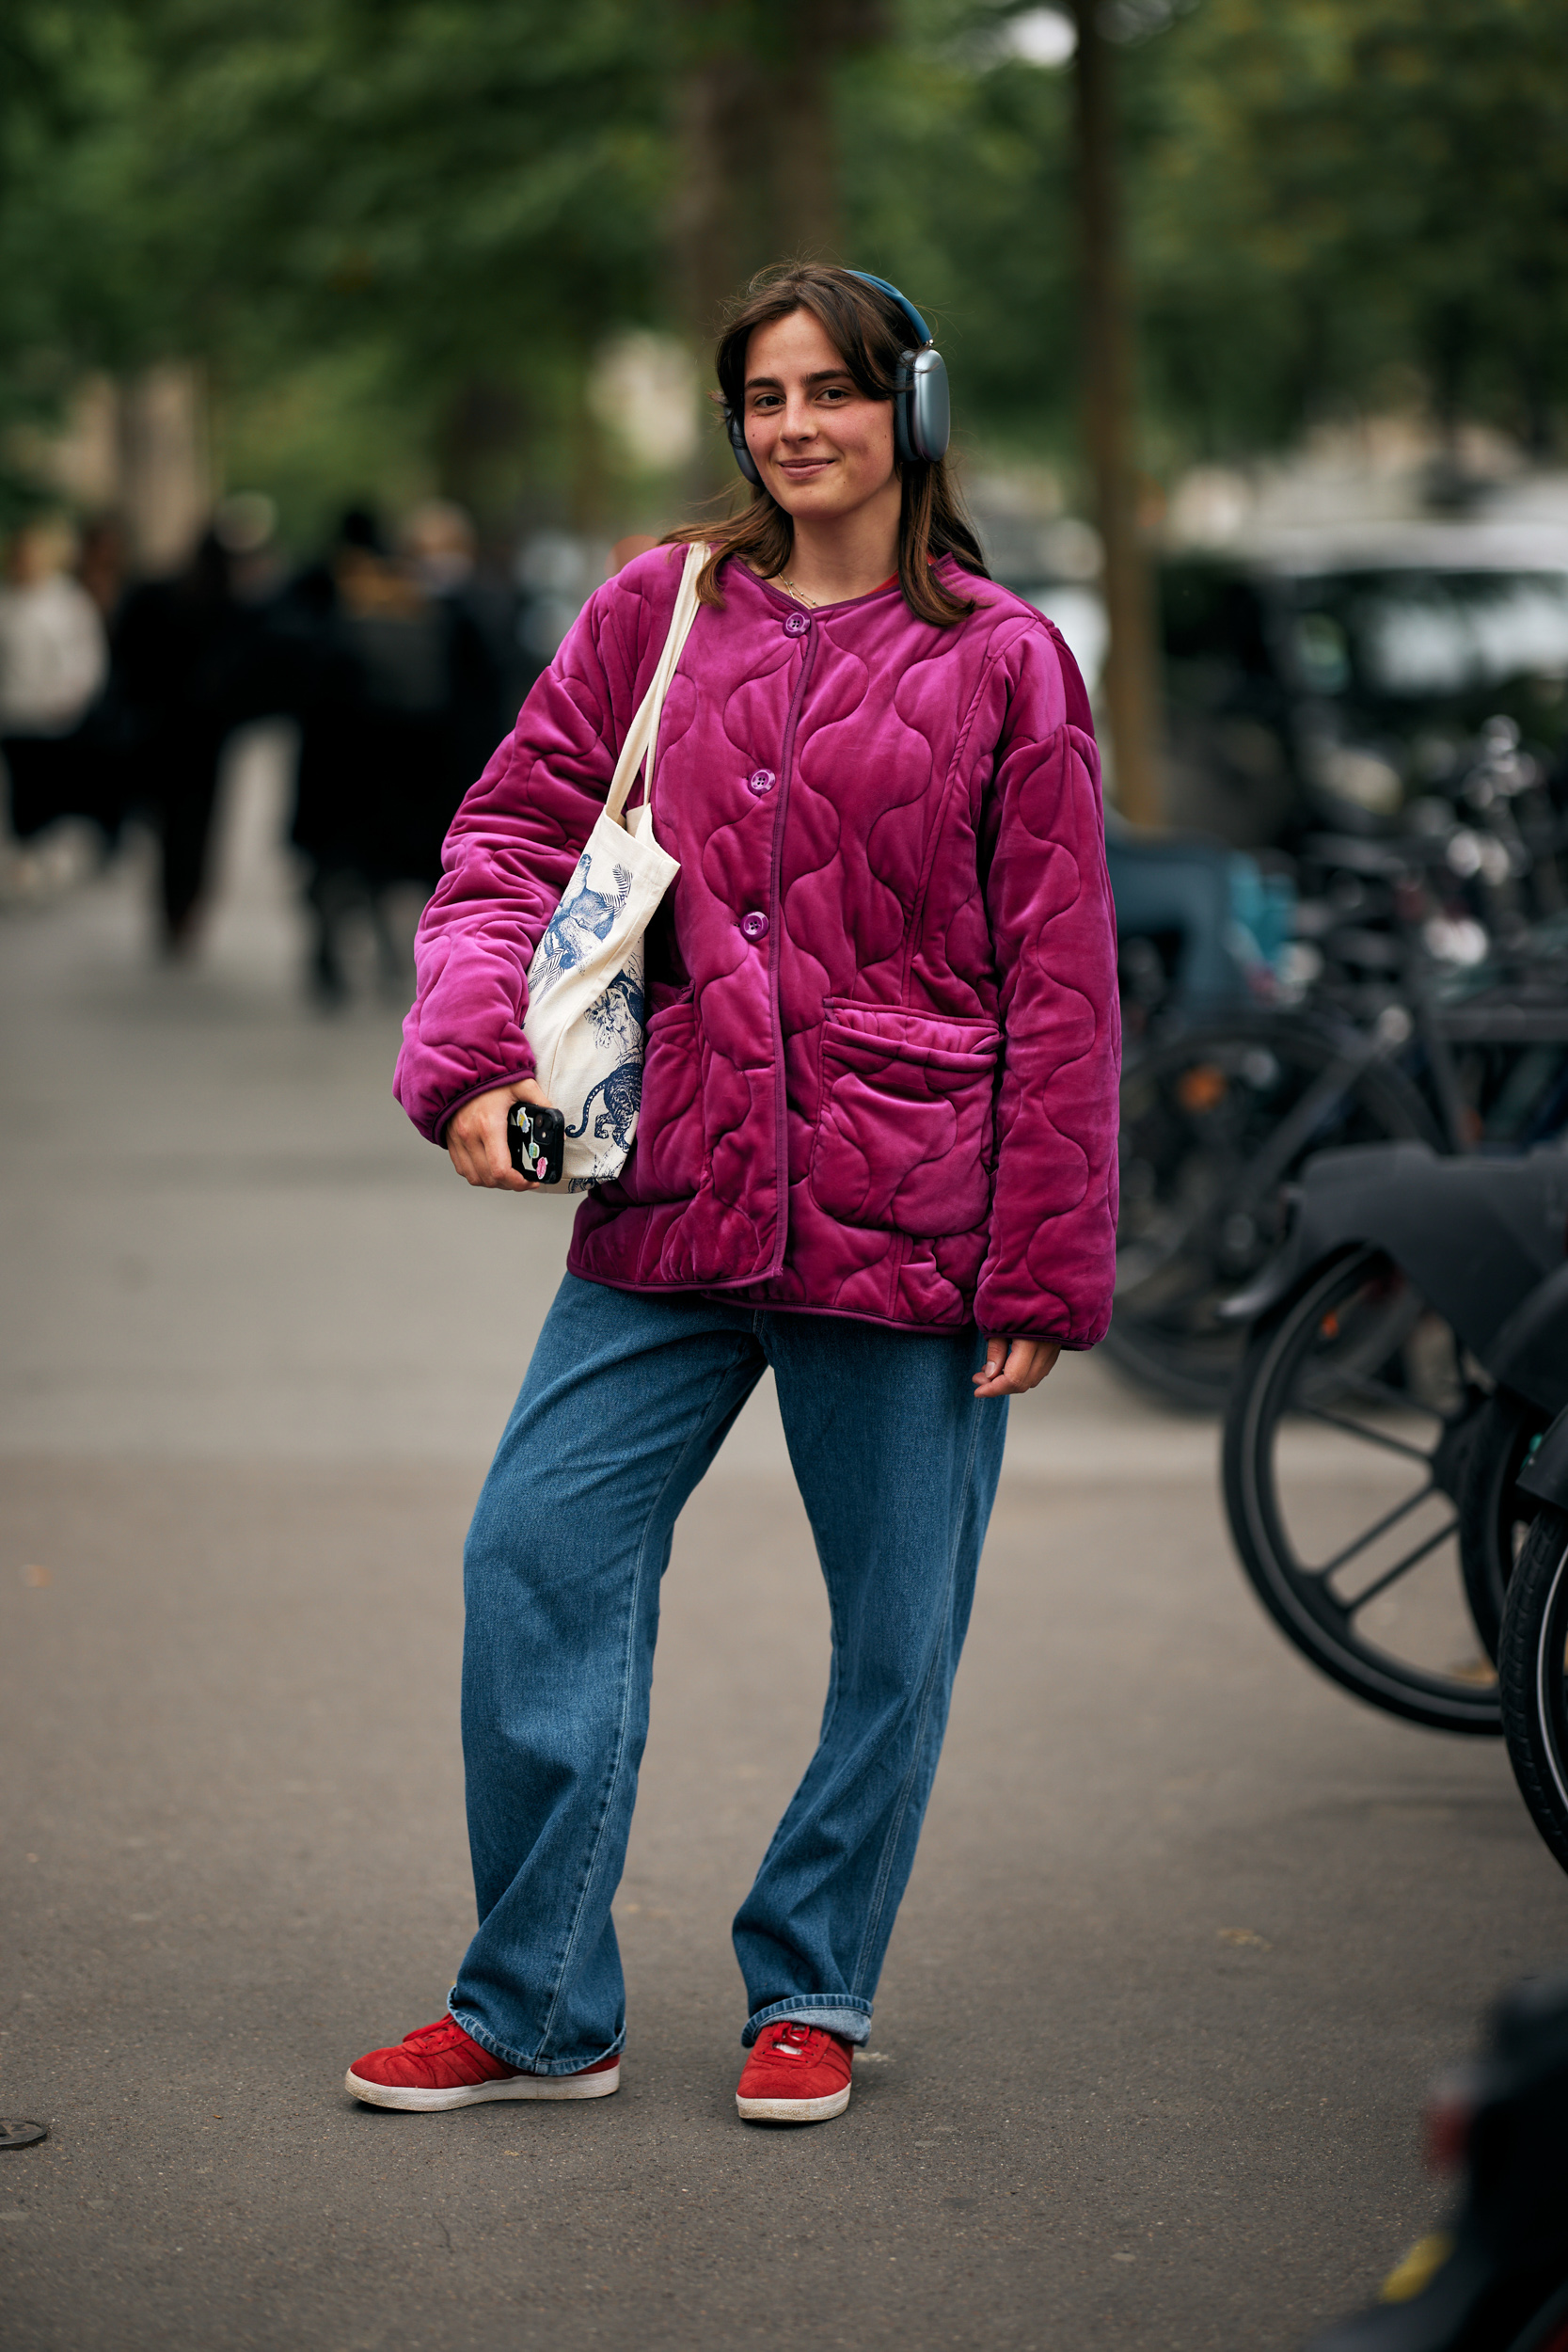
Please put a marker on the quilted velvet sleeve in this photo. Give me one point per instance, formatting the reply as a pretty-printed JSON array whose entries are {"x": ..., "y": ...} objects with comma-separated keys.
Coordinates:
[
  {"x": 508, "y": 857},
  {"x": 1050, "y": 1265}
]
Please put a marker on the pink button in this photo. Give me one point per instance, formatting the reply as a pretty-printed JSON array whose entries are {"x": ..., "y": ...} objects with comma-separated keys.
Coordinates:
[
  {"x": 754, "y": 927},
  {"x": 797, "y": 625},
  {"x": 761, "y": 782}
]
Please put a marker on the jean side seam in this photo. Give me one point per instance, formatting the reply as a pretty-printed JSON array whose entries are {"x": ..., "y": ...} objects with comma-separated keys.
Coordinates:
[
  {"x": 619, "y": 1758},
  {"x": 890, "y": 1844}
]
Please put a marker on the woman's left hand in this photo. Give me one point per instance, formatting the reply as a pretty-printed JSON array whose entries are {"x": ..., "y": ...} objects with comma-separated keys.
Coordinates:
[{"x": 1014, "y": 1366}]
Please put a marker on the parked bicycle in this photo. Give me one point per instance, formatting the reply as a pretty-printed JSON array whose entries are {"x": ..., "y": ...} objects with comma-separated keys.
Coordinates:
[
  {"x": 1532, "y": 1672},
  {"x": 1402, "y": 1365},
  {"x": 1432, "y": 1006}
]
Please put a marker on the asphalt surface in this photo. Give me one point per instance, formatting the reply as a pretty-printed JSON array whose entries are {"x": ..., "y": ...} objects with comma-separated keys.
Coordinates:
[{"x": 1189, "y": 1933}]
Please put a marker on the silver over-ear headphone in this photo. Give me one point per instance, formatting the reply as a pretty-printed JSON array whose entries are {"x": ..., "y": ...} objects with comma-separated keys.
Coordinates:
[{"x": 921, "y": 421}]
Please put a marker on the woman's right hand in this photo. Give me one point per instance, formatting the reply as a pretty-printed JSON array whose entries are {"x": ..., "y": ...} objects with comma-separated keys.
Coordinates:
[{"x": 476, "y": 1136}]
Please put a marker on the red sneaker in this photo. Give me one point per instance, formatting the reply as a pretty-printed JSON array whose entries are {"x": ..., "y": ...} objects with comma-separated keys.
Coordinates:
[
  {"x": 441, "y": 2066},
  {"x": 797, "y": 2073}
]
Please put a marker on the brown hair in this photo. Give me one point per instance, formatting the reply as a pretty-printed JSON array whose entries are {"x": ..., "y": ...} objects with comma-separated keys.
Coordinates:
[{"x": 871, "y": 334}]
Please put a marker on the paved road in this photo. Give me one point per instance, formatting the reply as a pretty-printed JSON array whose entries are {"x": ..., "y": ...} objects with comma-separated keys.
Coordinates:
[{"x": 1188, "y": 1936}]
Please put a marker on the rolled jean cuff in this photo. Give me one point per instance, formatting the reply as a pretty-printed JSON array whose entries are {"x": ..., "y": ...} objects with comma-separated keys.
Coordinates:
[
  {"x": 477, "y": 2032},
  {"x": 833, "y": 2012}
]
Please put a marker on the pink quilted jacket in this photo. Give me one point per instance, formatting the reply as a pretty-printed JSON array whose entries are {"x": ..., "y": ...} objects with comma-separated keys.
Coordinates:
[{"x": 883, "y": 1044}]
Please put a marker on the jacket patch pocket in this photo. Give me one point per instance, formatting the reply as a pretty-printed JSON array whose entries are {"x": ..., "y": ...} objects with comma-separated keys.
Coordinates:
[
  {"x": 666, "y": 1160},
  {"x": 905, "y": 1134}
]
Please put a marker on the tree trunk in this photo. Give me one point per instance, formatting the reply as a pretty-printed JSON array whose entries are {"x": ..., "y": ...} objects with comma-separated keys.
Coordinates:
[
  {"x": 480, "y": 437},
  {"x": 759, "y": 165},
  {"x": 1131, "y": 668}
]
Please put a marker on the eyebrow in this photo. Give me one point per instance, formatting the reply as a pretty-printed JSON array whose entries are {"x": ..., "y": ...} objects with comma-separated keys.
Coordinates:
[{"x": 774, "y": 383}]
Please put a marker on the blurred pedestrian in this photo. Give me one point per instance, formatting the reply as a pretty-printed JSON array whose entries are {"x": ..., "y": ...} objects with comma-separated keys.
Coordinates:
[
  {"x": 182, "y": 651},
  {"x": 54, "y": 661},
  {"x": 397, "y": 710},
  {"x": 102, "y": 564},
  {"x": 876, "y": 1152},
  {"x": 245, "y": 527},
  {"x": 440, "y": 544}
]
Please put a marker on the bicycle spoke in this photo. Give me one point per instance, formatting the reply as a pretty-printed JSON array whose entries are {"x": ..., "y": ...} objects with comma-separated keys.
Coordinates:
[
  {"x": 1370, "y": 1437},
  {"x": 1401, "y": 1568},
  {"x": 1163, "y": 1253},
  {"x": 1370, "y": 1534},
  {"x": 1300, "y": 1123}
]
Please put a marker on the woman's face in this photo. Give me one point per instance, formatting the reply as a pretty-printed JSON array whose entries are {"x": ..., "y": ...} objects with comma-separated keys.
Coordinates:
[{"x": 823, "y": 448}]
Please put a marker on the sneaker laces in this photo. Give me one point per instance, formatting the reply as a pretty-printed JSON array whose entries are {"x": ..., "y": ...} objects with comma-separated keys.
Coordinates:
[
  {"x": 794, "y": 2040},
  {"x": 442, "y": 2034}
]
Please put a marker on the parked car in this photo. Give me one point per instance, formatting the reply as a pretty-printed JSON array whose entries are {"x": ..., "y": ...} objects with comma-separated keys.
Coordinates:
[{"x": 1334, "y": 680}]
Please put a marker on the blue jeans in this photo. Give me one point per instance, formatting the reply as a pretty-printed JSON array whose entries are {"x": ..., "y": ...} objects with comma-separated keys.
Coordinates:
[{"x": 626, "y": 1404}]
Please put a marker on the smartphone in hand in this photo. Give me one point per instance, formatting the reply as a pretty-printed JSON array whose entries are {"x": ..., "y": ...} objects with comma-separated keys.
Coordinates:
[{"x": 536, "y": 1140}]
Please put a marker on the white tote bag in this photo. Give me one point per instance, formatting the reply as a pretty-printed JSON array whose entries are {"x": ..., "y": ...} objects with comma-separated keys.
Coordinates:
[{"x": 585, "y": 1018}]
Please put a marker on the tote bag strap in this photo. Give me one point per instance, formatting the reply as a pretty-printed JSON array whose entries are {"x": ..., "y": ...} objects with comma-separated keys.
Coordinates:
[{"x": 643, "y": 730}]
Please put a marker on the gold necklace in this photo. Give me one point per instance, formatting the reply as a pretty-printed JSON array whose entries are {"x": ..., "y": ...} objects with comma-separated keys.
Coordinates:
[{"x": 781, "y": 580}]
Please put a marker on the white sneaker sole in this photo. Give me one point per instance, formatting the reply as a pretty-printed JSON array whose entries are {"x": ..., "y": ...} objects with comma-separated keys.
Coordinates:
[
  {"x": 477, "y": 2094},
  {"x": 792, "y": 2110}
]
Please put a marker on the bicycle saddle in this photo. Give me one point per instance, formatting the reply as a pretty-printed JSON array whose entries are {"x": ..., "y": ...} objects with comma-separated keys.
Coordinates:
[{"x": 1476, "y": 1236}]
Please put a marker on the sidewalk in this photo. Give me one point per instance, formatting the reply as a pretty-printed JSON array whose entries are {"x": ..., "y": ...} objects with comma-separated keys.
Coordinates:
[{"x": 1189, "y": 1932}]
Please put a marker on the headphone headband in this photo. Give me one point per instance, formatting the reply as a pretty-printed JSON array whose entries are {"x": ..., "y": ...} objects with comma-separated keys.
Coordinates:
[{"x": 922, "y": 332}]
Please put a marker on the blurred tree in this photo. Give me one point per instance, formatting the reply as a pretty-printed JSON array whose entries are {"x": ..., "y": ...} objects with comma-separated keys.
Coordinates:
[
  {"x": 473, "y": 190},
  {"x": 1319, "y": 192},
  {"x": 758, "y": 151},
  {"x": 429, "y": 212},
  {"x": 74, "y": 291},
  {"x": 1335, "y": 188},
  {"x": 1109, "y": 426},
  {"x": 470, "y": 193},
  {"x": 958, "y": 175},
  {"x": 757, "y": 138}
]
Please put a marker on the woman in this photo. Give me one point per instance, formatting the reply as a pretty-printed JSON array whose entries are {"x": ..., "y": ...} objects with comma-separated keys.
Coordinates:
[{"x": 876, "y": 1152}]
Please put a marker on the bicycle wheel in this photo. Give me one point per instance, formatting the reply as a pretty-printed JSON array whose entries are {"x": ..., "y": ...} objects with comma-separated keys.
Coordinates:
[
  {"x": 1494, "y": 1518},
  {"x": 1534, "y": 1679},
  {"x": 1202, "y": 1170},
  {"x": 1344, "y": 1445}
]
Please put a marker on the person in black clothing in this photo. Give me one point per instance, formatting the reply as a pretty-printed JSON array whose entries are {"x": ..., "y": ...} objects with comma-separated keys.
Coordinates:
[
  {"x": 181, "y": 651},
  {"x": 397, "y": 692}
]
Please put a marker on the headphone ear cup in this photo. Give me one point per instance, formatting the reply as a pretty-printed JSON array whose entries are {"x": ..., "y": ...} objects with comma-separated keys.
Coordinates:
[
  {"x": 929, "y": 420},
  {"x": 736, "y": 427}
]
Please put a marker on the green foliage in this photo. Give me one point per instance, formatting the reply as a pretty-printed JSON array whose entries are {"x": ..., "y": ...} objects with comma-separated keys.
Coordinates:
[
  {"x": 333, "y": 429},
  {"x": 395, "y": 230},
  {"x": 958, "y": 185},
  {"x": 1331, "y": 189},
  {"x": 464, "y": 177},
  {"x": 423, "y": 200},
  {"x": 74, "y": 288},
  {"x": 1323, "y": 198}
]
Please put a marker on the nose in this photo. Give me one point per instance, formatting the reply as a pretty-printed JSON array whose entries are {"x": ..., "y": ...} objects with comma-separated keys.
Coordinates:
[{"x": 800, "y": 418}]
